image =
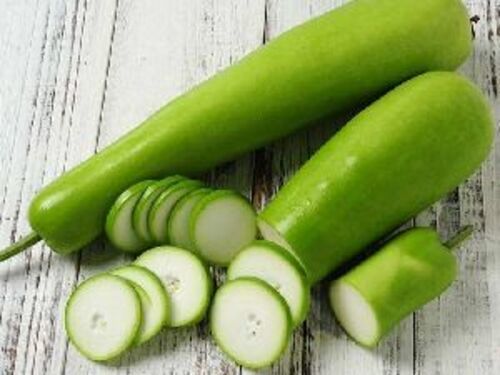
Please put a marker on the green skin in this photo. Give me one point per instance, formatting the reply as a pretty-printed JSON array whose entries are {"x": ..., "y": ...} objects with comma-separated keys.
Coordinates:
[
  {"x": 288, "y": 84},
  {"x": 406, "y": 273},
  {"x": 394, "y": 159},
  {"x": 146, "y": 202}
]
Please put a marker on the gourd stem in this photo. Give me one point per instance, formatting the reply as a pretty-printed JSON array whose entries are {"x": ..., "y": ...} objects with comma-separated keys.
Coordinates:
[
  {"x": 462, "y": 235},
  {"x": 19, "y": 246}
]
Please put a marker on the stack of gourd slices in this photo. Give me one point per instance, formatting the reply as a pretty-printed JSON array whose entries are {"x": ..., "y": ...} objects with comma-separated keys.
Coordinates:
[
  {"x": 166, "y": 285},
  {"x": 216, "y": 224},
  {"x": 110, "y": 312}
]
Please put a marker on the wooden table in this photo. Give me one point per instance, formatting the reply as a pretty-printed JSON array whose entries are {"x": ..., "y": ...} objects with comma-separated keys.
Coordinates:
[{"x": 76, "y": 74}]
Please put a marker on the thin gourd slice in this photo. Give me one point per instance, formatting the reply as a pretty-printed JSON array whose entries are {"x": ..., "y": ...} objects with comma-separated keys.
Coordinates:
[
  {"x": 162, "y": 207},
  {"x": 141, "y": 211},
  {"x": 277, "y": 267},
  {"x": 154, "y": 299},
  {"x": 103, "y": 317},
  {"x": 186, "y": 280},
  {"x": 250, "y": 322},
  {"x": 221, "y": 224},
  {"x": 119, "y": 227},
  {"x": 178, "y": 223}
]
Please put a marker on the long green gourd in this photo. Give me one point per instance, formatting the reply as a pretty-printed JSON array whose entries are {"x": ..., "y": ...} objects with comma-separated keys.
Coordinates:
[
  {"x": 324, "y": 66},
  {"x": 392, "y": 160}
]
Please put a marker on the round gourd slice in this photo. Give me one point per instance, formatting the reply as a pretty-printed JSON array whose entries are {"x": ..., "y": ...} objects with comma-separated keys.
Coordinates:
[
  {"x": 221, "y": 224},
  {"x": 250, "y": 322},
  {"x": 178, "y": 223},
  {"x": 186, "y": 280},
  {"x": 103, "y": 317},
  {"x": 119, "y": 227},
  {"x": 163, "y": 205},
  {"x": 154, "y": 299},
  {"x": 141, "y": 211}
]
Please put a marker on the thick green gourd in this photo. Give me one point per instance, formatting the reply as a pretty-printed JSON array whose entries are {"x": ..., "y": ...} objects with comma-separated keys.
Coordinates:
[
  {"x": 406, "y": 273},
  {"x": 327, "y": 65},
  {"x": 395, "y": 158}
]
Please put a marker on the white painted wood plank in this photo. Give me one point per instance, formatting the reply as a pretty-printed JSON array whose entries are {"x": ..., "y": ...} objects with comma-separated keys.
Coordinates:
[
  {"x": 31, "y": 64},
  {"x": 480, "y": 203},
  {"x": 60, "y": 79}
]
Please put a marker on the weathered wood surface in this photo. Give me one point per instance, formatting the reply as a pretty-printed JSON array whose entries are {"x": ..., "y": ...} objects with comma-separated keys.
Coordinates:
[{"x": 76, "y": 74}]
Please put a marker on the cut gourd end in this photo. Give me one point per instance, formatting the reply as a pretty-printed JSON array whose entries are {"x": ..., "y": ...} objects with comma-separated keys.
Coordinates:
[{"x": 355, "y": 314}]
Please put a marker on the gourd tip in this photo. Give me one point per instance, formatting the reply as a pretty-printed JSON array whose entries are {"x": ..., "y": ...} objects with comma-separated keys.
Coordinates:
[
  {"x": 462, "y": 235},
  {"x": 19, "y": 246}
]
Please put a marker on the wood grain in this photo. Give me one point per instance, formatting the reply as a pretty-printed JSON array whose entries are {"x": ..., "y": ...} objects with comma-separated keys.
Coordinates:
[{"x": 76, "y": 74}]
